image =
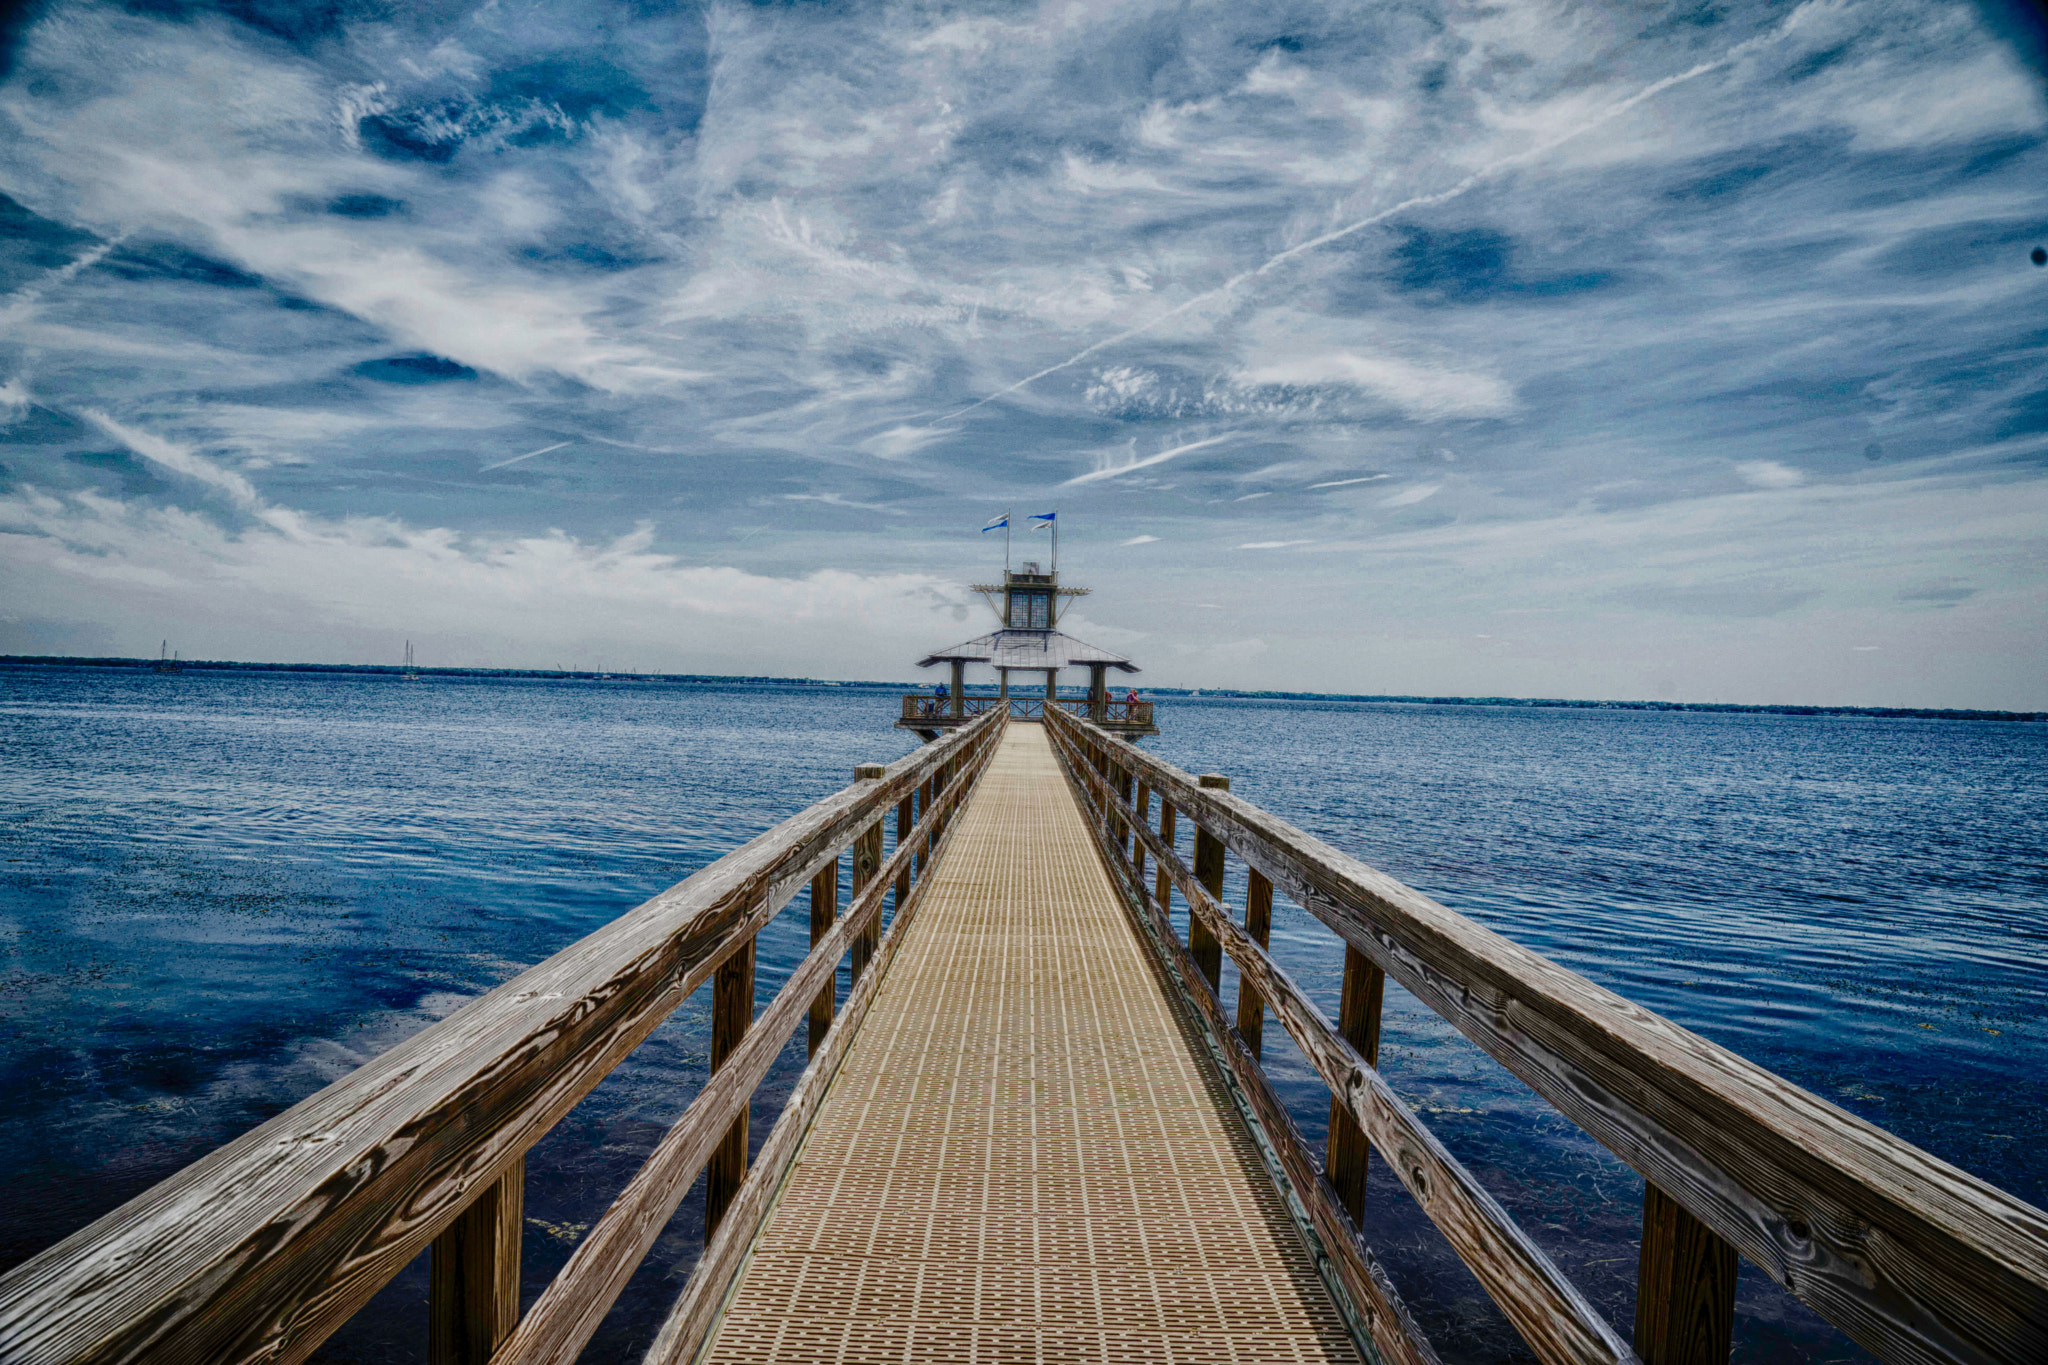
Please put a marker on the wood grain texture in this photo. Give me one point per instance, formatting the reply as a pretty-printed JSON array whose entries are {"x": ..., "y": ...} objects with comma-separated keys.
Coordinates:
[
  {"x": 572, "y": 1307},
  {"x": 867, "y": 863},
  {"x": 732, "y": 1014},
  {"x": 1258, "y": 923},
  {"x": 262, "y": 1248},
  {"x": 1358, "y": 1020},
  {"x": 1685, "y": 1288},
  {"x": 1202, "y": 945},
  {"x": 1916, "y": 1260},
  {"x": 1342, "y": 1254},
  {"x": 696, "y": 1309},
  {"x": 906, "y": 816},
  {"x": 1163, "y": 888},
  {"x": 1143, "y": 806},
  {"x": 473, "y": 1275},
  {"x": 1554, "y": 1318},
  {"x": 824, "y": 909}
]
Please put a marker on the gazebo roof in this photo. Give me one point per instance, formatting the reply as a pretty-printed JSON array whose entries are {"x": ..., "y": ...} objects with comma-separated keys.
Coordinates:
[{"x": 1027, "y": 649}]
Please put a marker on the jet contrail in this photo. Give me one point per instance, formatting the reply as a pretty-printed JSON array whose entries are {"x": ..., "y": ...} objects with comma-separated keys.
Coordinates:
[
  {"x": 1161, "y": 457},
  {"x": 527, "y": 456},
  {"x": 1477, "y": 177}
]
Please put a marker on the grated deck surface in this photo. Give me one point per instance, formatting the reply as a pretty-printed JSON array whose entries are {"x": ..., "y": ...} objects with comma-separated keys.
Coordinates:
[{"x": 1020, "y": 1159}]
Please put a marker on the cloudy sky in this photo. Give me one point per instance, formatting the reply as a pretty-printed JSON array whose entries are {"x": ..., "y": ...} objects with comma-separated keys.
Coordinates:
[{"x": 1599, "y": 350}]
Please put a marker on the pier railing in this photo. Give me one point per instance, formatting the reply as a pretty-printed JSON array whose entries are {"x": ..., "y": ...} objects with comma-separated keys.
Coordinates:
[
  {"x": 928, "y": 706},
  {"x": 1911, "y": 1257},
  {"x": 260, "y": 1250}
]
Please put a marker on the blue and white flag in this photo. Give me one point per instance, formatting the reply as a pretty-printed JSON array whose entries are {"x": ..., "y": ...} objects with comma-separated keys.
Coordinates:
[
  {"x": 1044, "y": 519},
  {"x": 998, "y": 524}
]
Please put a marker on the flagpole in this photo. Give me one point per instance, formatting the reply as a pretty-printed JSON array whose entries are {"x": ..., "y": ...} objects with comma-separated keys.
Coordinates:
[{"x": 1007, "y": 519}]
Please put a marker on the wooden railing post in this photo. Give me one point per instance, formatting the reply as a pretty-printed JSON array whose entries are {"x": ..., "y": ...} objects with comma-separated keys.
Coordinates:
[
  {"x": 1202, "y": 944},
  {"x": 1685, "y": 1287},
  {"x": 824, "y": 909},
  {"x": 1143, "y": 806},
  {"x": 732, "y": 1014},
  {"x": 473, "y": 1279},
  {"x": 906, "y": 820},
  {"x": 1258, "y": 923},
  {"x": 924, "y": 806},
  {"x": 1358, "y": 1019},
  {"x": 867, "y": 860},
  {"x": 1126, "y": 837},
  {"x": 1166, "y": 836}
]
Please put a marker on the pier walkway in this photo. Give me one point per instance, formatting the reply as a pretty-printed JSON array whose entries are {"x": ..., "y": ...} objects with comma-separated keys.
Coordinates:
[
  {"x": 1035, "y": 1125},
  {"x": 1021, "y": 1159}
]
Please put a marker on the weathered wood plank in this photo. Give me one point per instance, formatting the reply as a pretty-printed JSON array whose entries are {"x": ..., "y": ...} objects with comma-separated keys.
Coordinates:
[
  {"x": 1912, "y": 1257},
  {"x": 867, "y": 862},
  {"x": 1554, "y": 1318},
  {"x": 1143, "y": 806},
  {"x": 260, "y": 1249},
  {"x": 1685, "y": 1288},
  {"x": 732, "y": 1014},
  {"x": 1164, "y": 884},
  {"x": 570, "y": 1310},
  {"x": 696, "y": 1310},
  {"x": 1358, "y": 1019},
  {"x": 824, "y": 909},
  {"x": 473, "y": 1276},
  {"x": 1258, "y": 923},
  {"x": 905, "y": 818},
  {"x": 1343, "y": 1254},
  {"x": 1202, "y": 945}
]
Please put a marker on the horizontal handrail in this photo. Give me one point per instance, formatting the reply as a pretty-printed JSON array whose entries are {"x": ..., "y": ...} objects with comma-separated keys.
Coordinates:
[
  {"x": 558, "y": 1326},
  {"x": 262, "y": 1248},
  {"x": 1545, "y": 1307},
  {"x": 695, "y": 1311},
  {"x": 1344, "y": 1255},
  {"x": 1912, "y": 1257}
]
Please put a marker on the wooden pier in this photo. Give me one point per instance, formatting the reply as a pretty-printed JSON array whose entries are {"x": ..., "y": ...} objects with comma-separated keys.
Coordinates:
[
  {"x": 1034, "y": 1129},
  {"x": 1023, "y": 1158}
]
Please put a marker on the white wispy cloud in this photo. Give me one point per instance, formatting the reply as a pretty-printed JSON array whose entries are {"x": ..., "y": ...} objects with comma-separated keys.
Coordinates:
[
  {"x": 1133, "y": 462},
  {"x": 1579, "y": 252}
]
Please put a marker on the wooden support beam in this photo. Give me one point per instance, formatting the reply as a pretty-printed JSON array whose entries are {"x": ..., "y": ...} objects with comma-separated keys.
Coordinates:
[
  {"x": 1258, "y": 924},
  {"x": 867, "y": 860},
  {"x": 1143, "y": 806},
  {"x": 1166, "y": 837},
  {"x": 924, "y": 806},
  {"x": 824, "y": 909},
  {"x": 1202, "y": 944},
  {"x": 1685, "y": 1287},
  {"x": 732, "y": 1014},
  {"x": 906, "y": 820},
  {"x": 473, "y": 1282},
  {"x": 1358, "y": 1020}
]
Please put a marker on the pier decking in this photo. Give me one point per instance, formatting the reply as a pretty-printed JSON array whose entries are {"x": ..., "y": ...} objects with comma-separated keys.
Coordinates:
[{"x": 1022, "y": 1159}]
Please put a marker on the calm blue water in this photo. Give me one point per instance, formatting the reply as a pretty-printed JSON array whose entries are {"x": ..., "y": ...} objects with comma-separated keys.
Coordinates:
[{"x": 221, "y": 891}]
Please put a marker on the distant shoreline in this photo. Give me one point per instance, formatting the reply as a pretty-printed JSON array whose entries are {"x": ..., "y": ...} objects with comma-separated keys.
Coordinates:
[{"x": 1235, "y": 694}]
